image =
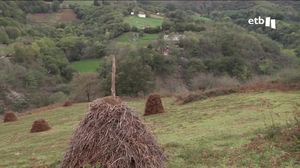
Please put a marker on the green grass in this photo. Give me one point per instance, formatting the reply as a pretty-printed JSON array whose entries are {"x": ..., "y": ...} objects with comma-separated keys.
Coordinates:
[
  {"x": 143, "y": 22},
  {"x": 88, "y": 65},
  {"x": 200, "y": 134},
  {"x": 133, "y": 40},
  {"x": 79, "y": 2},
  {"x": 201, "y": 18}
]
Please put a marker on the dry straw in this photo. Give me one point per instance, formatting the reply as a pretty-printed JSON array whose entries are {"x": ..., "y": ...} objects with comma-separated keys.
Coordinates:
[
  {"x": 10, "y": 117},
  {"x": 112, "y": 136},
  {"x": 154, "y": 105},
  {"x": 40, "y": 126}
]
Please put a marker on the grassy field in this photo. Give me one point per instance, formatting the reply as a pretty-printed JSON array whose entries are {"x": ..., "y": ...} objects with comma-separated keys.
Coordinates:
[
  {"x": 79, "y": 2},
  {"x": 200, "y": 134},
  {"x": 88, "y": 65},
  {"x": 143, "y": 22},
  {"x": 136, "y": 41}
]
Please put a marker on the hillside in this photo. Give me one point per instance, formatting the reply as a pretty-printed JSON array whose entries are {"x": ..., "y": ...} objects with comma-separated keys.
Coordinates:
[
  {"x": 214, "y": 70},
  {"x": 204, "y": 133},
  {"x": 43, "y": 46}
]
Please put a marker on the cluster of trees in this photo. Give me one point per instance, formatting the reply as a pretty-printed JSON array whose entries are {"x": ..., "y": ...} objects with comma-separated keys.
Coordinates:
[
  {"x": 34, "y": 70},
  {"x": 136, "y": 71},
  {"x": 38, "y": 6},
  {"x": 180, "y": 21},
  {"x": 104, "y": 22}
]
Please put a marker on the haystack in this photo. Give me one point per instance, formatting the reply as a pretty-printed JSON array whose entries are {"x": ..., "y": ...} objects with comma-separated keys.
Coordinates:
[
  {"x": 67, "y": 103},
  {"x": 10, "y": 117},
  {"x": 154, "y": 105},
  {"x": 112, "y": 136},
  {"x": 40, "y": 125}
]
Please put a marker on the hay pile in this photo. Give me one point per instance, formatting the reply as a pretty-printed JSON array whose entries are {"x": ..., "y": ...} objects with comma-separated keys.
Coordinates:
[
  {"x": 10, "y": 117},
  {"x": 112, "y": 136},
  {"x": 67, "y": 103},
  {"x": 154, "y": 105},
  {"x": 40, "y": 125}
]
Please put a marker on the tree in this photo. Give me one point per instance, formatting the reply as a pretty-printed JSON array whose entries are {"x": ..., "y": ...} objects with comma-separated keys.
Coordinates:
[
  {"x": 3, "y": 37},
  {"x": 96, "y": 3},
  {"x": 12, "y": 32},
  {"x": 73, "y": 47},
  {"x": 55, "y": 5},
  {"x": 86, "y": 87}
]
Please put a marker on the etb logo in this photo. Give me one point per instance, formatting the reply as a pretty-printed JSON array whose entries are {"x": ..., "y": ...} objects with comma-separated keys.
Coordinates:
[{"x": 268, "y": 22}]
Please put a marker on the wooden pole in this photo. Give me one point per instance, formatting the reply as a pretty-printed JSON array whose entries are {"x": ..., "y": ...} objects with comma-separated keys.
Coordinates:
[{"x": 113, "y": 76}]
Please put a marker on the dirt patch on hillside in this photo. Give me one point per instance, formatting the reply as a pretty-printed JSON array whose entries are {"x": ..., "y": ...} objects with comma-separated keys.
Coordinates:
[
  {"x": 67, "y": 15},
  {"x": 64, "y": 16}
]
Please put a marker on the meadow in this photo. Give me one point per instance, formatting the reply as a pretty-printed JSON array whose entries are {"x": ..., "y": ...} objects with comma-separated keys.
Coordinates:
[
  {"x": 143, "y": 22},
  {"x": 207, "y": 133},
  {"x": 135, "y": 40},
  {"x": 87, "y": 65}
]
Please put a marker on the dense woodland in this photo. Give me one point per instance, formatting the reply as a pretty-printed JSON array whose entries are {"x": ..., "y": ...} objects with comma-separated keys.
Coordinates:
[{"x": 216, "y": 42}]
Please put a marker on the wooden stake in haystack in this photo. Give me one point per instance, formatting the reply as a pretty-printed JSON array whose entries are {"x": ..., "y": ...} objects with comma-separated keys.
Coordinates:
[{"x": 113, "y": 76}]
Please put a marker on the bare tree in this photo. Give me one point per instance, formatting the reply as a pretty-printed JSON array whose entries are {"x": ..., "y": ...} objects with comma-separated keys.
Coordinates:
[{"x": 86, "y": 87}]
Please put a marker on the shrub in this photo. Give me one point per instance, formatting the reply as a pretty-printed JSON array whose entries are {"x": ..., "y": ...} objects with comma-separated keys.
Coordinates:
[
  {"x": 152, "y": 30},
  {"x": 12, "y": 32},
  {"x": 2, "y": 108},
  {"x": 24, "y": 53},
  {"x": 58, "y": 97},
  {"x": 4, "y": 39},
  {"x": 298, "y": 52},
  {"x": 289, "y": 75},
  {"x": 20, "y": 105},
  {"x": 203, "y": 81}
]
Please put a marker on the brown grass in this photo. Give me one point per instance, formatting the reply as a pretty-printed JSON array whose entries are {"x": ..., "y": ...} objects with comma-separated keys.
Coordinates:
[
  {"x": 64, "y": 16},
  {"x": 40, "y": 126},
  {"x": 250, "y": 87},
  {"x": 112, "y": 136},
  {"x": 154, "y": 105},
  {"x": 67, "y": 15},
  {"x": 10, "y": 117},
  {"x": 200, "y": 95}
]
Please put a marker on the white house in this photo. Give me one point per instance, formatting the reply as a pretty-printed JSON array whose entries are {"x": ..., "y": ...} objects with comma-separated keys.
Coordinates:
[
  {"x": 173, "y": 37},
  {"x": 142, "y": 15}
]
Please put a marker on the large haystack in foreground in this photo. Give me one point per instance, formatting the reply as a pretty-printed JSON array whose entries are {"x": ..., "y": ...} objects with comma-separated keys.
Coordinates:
[
  {"x": 154, "y": 105},
  {"x": 112, "y": 136},
  {"x": 40, "y": 126},
  {"x": 10, "y": 117}
]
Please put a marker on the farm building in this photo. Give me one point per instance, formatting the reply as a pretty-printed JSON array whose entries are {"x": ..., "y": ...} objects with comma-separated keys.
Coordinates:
[{"x": 142, "y": 15}]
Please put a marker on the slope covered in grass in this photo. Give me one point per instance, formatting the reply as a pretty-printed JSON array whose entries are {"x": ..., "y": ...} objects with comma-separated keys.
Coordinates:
[
  {"x": 198, "y": 134},
  {"x": 88, "y": 65},
  {"x": 134, "y": 39}
]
